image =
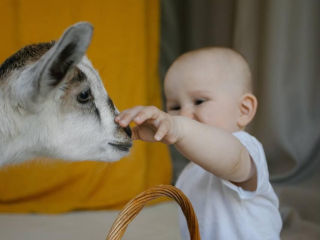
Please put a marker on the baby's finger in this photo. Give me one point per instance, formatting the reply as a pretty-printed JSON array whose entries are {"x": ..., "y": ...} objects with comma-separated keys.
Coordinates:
[
  {"x": 119, "y": 116},
  {"x": 129, "y": 115},
  {"x": 162, "y": 130},
  {"x": 149, "y": 112}
]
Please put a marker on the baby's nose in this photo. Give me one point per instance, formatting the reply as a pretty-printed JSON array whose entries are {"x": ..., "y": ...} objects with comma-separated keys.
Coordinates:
[{"x": 186, "y": 112}]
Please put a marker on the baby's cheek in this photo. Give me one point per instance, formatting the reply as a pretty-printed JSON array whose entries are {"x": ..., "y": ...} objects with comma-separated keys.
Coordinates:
[
  {"x": 209, "y": 117},
  {"x": 219, "y": 118},
  {"x": 230, "y": 121}
]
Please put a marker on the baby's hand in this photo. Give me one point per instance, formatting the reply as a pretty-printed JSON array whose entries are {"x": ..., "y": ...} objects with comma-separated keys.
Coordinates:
[{"x": 152, "y": 124}]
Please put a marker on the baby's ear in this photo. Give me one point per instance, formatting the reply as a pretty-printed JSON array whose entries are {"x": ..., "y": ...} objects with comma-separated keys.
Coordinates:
[{"x": 248, "y": 107}]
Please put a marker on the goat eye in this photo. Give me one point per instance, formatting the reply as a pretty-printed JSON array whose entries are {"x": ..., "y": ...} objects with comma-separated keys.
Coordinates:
[{"x": 83, "y": 97}]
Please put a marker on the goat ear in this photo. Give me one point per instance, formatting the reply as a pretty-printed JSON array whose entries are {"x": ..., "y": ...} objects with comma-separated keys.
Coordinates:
[{"x": 67, "y": 52}]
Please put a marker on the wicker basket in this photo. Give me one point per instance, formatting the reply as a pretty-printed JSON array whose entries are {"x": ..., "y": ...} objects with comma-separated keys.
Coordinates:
[{"x": 132, "y": 209}]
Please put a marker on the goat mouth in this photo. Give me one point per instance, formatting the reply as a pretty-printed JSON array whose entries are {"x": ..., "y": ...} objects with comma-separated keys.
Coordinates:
[{"x": 122, "y": 146}]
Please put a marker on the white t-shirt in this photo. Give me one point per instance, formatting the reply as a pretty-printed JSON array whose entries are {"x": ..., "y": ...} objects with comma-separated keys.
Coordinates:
[{"x": 227, "y": 212}]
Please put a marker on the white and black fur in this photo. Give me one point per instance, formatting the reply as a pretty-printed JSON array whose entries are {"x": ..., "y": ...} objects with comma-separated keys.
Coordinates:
[{"x": 53, "y": 104}]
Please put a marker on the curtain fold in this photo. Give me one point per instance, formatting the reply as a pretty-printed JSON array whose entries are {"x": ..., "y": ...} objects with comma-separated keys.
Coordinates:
[{"x": 282, "y": 49}]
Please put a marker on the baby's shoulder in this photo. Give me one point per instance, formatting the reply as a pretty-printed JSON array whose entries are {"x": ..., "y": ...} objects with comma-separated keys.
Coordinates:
[
  {"x": 249, "y": 141},
  {"x": 254, "y": 148},
  {"x": 244, "y": 135}
]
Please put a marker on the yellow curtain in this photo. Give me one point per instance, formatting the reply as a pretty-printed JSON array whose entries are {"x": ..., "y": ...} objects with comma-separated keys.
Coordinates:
[{"x": 124, "y": 50}]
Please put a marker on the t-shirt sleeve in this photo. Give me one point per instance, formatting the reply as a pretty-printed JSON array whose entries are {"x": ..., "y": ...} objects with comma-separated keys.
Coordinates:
[{"x": 257, "y": 154}]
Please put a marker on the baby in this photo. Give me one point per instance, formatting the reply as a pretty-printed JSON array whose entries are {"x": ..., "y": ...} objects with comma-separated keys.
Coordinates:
[{"x": 209, "y": 103}]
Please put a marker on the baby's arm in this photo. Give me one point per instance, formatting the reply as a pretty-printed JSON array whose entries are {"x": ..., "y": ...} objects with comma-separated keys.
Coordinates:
[
  {"x": 214, "y": 149},
  {"x": 218, "y": 152}
]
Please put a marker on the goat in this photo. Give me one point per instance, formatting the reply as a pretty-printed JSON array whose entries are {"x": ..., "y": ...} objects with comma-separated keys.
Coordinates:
[{"x": 53, "y": 104}]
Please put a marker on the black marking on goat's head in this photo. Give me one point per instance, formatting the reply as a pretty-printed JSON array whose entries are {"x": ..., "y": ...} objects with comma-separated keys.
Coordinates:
[
  {"x": 97, "y": 113},
  {"x": 24, "y": 56},
  {"x": 111, "y": 105},
  {"x": 78, "y": 76},
  {"x": 77, "y": 83}
]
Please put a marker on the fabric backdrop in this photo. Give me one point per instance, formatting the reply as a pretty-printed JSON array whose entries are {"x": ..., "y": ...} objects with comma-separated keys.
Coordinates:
[
  {"x": 280, "y": 40},
  {"x": 124, "y": 50}
]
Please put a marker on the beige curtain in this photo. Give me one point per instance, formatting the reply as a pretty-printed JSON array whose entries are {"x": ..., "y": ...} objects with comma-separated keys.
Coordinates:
[{"x": 280, "y": 40}]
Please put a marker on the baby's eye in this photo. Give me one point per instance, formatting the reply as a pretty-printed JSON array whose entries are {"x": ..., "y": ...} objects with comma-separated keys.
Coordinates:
[
  {"x": 199, "y": 101},
  {"x": 174, "y": 108}
]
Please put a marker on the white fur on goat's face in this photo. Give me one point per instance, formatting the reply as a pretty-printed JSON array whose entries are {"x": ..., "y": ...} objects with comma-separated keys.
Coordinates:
[
  {"x": 55, "y": 105},
  {"x": 83, "y": 131}
]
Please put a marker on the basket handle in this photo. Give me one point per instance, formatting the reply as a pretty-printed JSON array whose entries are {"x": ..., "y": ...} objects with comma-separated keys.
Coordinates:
[{"x": 132, "y": 209}]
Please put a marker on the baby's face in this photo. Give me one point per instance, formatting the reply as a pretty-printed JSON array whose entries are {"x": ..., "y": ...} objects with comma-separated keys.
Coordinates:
[{"x": 205, "y": 94}]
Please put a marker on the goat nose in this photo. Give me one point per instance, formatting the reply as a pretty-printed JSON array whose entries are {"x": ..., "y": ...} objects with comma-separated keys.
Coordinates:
[{"x": 128, "y": 131}]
